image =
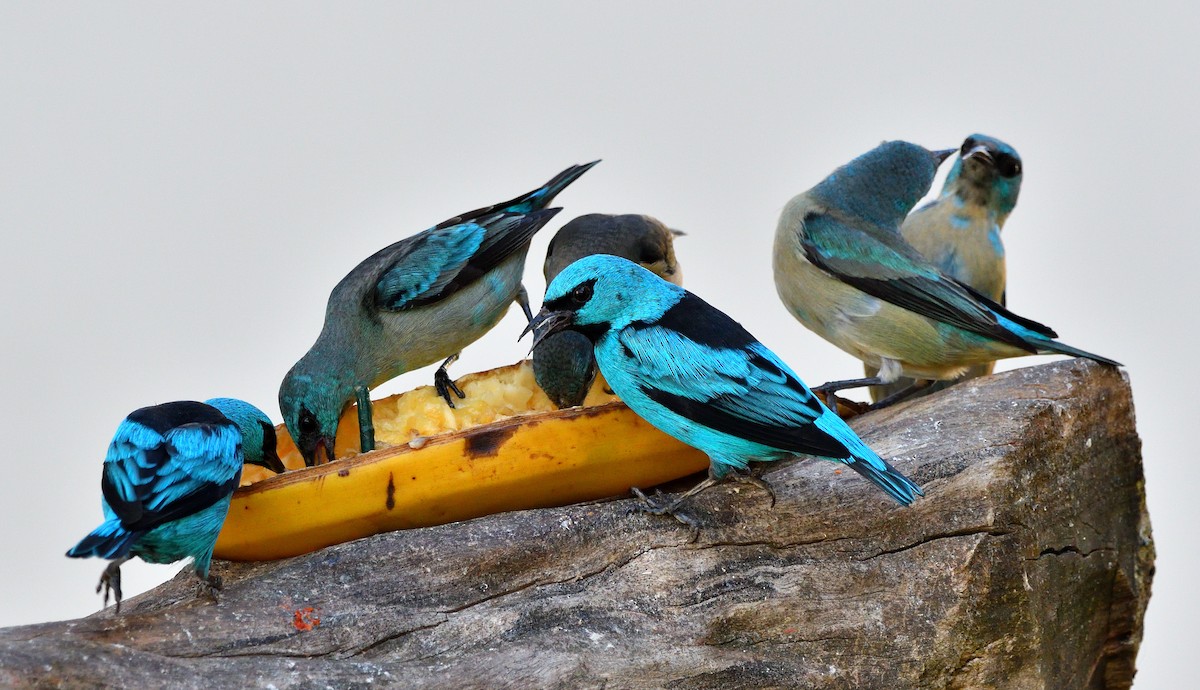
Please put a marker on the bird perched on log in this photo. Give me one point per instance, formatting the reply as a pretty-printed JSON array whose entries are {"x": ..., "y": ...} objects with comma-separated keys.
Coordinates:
[
  {"x": 168, "y": 478},
  {"x": 959, "y": 232},
  {"x": 843, "y": 270},
  {"x": 420, "y": 300},
  {"x": 563, "y": 364},
  {"x": 693, "y": 372}
]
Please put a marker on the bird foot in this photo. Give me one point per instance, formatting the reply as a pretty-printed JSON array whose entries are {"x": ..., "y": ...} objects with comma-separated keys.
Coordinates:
[
  {"x": 828, "y": 391},
  {"x": 903, "y": 394},
  {"x": 664, "y": 505},
  {"x": 110, "y": 581},
  {"x": 209, "y": 587},
  {"x": 443, "y": 385}
]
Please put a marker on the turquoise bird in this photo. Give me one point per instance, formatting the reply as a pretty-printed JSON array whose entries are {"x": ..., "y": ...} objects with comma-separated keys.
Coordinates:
[
  {"x": 563, "y": 365},
  {"x": 693, "y": 372},
  {"x": 843, "y": 270},
  {"x": 418, "y": 301},
  {"x": 959, "y": 232},
  {"x": 168, "y": 478}
]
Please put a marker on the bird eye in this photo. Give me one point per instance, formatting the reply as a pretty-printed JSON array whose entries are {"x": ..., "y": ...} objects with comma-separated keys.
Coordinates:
[
  {"x": 967, "y": 146},
  {"x": 581, "y": 294},
  {"x": 1008, "y": 166},
  {"x": 308, "y": 421}
]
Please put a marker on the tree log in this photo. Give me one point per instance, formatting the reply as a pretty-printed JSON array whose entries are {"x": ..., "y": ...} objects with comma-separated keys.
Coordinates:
[{"x": 1027, "y": 565}]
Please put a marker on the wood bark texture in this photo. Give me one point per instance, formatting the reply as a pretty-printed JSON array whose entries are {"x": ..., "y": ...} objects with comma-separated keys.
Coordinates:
[{"x": 1027, "y": 565}]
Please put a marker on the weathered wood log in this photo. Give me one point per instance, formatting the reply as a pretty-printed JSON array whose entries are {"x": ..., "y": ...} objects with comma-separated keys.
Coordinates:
[{"x": 1028, "y": 565}]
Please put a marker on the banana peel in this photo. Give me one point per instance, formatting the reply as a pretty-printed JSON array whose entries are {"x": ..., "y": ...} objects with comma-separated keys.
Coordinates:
[{"x": 504, "y": 448}]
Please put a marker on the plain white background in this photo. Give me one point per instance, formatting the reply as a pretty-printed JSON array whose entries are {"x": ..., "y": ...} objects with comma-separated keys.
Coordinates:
[{"x": 181, "y": 187}]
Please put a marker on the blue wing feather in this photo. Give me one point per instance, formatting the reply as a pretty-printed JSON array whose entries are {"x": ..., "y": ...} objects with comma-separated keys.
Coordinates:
[
  {"x": 701, "y": 366},
  {"x": 433, "y": 259},
  {"x": 151, "y": 478},
  {"x": 883, "y": 265},
  {"x": 442, "y": 261}
]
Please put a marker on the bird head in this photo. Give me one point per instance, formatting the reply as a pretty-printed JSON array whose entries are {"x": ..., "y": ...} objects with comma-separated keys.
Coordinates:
[
  {"x": 311, "y": 410},
  {"x": 642, "y": 239},
  {"x": 883, "y": 184},
  {"x": 258, "y": 434},
  {"x": 989, "y": 170},
  {"x": 601, "y": 292}
]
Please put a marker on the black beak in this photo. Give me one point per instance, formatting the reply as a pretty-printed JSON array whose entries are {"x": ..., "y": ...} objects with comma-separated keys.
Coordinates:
[
  {"x": 322, "y": 452},
  {"x": 272, "y": 462},
  {"x": 547, "y": 322},
  {"x": 941, "y": 156},
  {"x": 677, "y": 233},
  {"x": 980, "y": 152}
]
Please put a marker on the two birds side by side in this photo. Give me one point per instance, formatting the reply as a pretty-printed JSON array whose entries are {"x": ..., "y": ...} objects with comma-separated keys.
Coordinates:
[
  {"x": 563, "y": 364},
  {"x": 694, "y": 373},
  {"x": 843, "y": 270}
]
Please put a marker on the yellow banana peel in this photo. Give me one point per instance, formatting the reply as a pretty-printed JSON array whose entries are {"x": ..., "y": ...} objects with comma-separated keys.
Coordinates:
[{"x": 438, "y": 465}]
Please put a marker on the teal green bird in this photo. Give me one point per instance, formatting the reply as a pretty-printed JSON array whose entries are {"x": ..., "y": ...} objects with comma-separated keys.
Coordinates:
[
  {"x": 694, "y": 373},
  {"x": 563, "y": 363},
  {"x": 168, "y": 479},
  {"x": 411, "y": 304},
  {"x": 959, "y": 232},
  {"x": 843, "y": 270}
]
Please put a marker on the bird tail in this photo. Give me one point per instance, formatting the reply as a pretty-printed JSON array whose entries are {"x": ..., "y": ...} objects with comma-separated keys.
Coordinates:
[
  {"x": 888, "y": 478},
  {"x": 109, "y": 540},
  {"x": 1044, "y": 341},
  {"x": 1046, "y": 346},
  {"x": 542, "y": 196}
]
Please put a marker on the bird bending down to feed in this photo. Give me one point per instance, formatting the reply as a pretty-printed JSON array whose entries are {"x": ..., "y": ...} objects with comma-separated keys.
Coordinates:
[
  {"x": 168, "y": 478},
  {"x": 418, "y": 301}
]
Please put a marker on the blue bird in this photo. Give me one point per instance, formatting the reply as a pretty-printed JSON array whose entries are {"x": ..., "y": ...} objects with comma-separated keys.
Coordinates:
[
  {"x": 959, "y": 232},
  {"x": 418, "y": 301},
  {"x": 168, "y": 478},
  {"x": 563, "y": 364},
  {"x": 843, "y": 270},
  {"x": 696, "y": 374}
]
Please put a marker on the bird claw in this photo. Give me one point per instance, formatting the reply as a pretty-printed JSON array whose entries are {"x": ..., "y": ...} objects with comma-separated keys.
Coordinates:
[
  {"x": 110, "y": 581},
  {"x": 665, "y": 506},
  {"x": 209, "y": 587},
  {"x": 443, "y": 385}
]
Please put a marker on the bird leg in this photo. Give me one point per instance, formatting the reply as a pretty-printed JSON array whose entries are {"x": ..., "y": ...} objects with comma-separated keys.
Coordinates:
[
  {"x": 903, "y": 394},
  {"x": 366, "y": 426},
  {"x": 443, "y": 384},
  {"x": 664, "y": 507},
  {"x": 523, "y": 300},
  {"x": 110, "y": 580},
  {"x": 209, "y": 586}
]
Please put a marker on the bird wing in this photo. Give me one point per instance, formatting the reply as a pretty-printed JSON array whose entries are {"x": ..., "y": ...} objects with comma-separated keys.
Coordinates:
[
  {"x": 152, "y": 477},
  {"x": 883, "y": 265},
  {"x": 700, "y": 364},
  {"x": 439, "y": 262}
]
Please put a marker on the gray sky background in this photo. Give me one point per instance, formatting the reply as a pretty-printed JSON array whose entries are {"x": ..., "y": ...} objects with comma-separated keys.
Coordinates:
[{"x": 181, "y": 186}]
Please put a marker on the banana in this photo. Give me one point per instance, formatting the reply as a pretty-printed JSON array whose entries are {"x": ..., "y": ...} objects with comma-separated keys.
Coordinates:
[{"x": 505, "y": 447}]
